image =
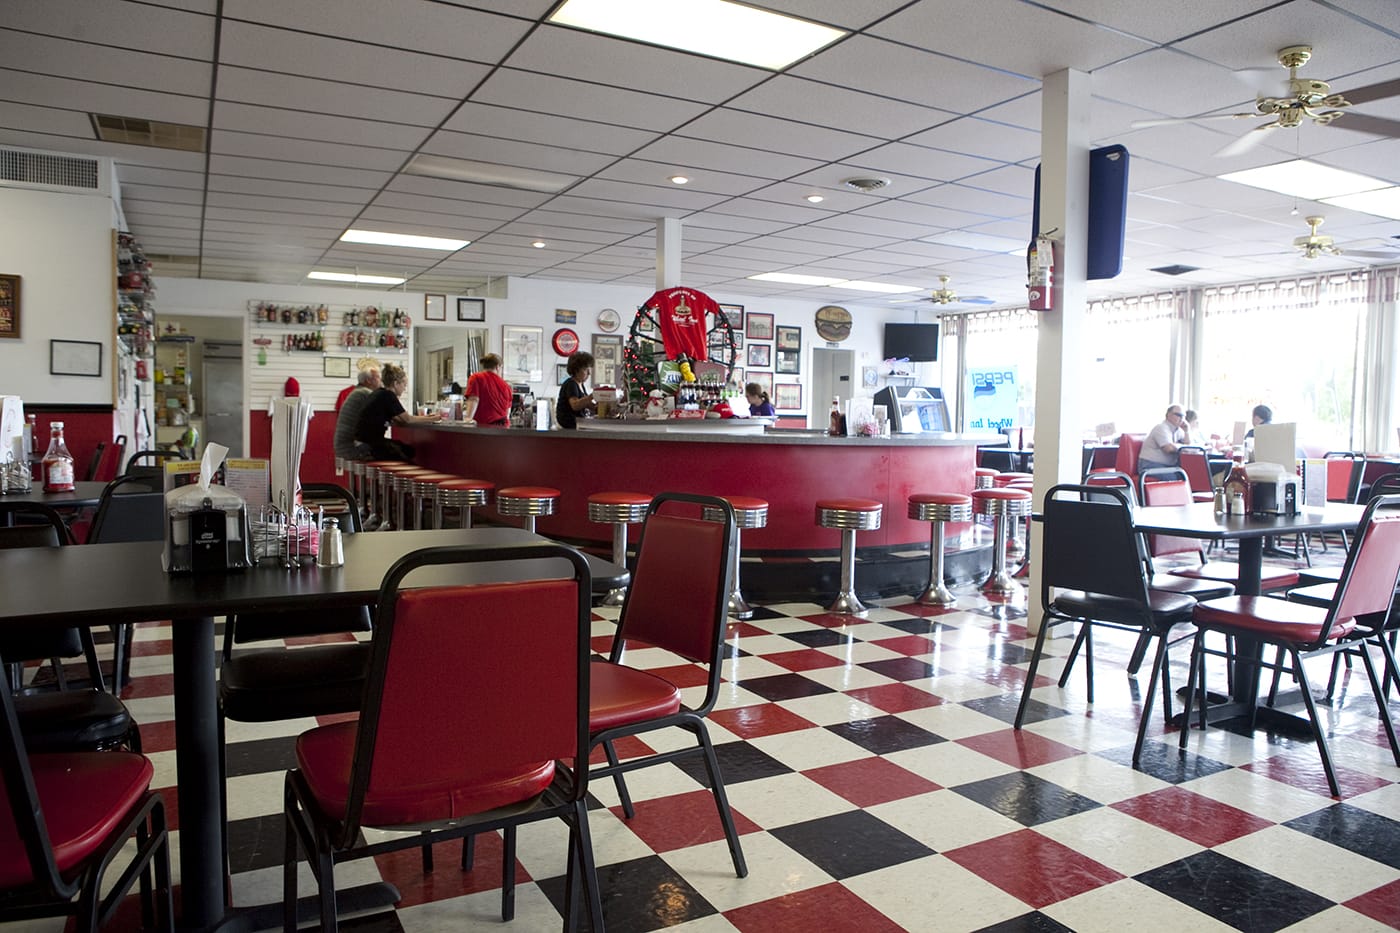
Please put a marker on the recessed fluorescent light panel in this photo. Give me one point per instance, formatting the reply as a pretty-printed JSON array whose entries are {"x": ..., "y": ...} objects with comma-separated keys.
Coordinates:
[
  {"x": 880, "y": 287},
  {"x": 790, "y": 278},
  {"x": 1302, "y": 178},
  {"x": 964, "y": 239},
  {"x": 380, "y": 238},
  {"x": 488, "y": 173},
  {"x": 357, "y": 279},
  {"x": 716, "y": 28},
  {"x": 1383, "y": 202}
]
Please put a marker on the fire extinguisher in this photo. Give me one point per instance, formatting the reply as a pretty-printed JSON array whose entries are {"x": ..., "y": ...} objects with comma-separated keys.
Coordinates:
[
  {"x": 141, "y": 371},
  {"x": 1040, "y": 268}
]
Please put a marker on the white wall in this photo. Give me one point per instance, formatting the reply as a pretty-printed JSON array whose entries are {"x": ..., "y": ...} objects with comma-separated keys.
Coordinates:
[{"x": 61, "y": 246}]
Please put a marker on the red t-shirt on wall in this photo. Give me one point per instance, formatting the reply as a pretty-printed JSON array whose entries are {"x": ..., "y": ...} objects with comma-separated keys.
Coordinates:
[{"x": 493, "y": 395}]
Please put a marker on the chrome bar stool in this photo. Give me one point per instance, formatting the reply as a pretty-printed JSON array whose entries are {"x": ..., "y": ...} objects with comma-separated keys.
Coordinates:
[
  {"x": 1004, "y": 505},
  {"x": 983, "y": 477},
  {"x": 618, "y": 509},
  {"x": 526, "y": 502},
  {"x": 393, "y": 480},
  {"x": 374, "y": 492},
  {"x": 938, "y": 508},
  {"x": 357, "y": 484},
  {"x": 849, "y": 516},
  {"x": 463, "y": 495},
  {"x": 1009, "y": 478},
  {"x": 422, "y": 493},
  {"x": 748, "y": 513},
  {"x": 1019, "y": 536}
]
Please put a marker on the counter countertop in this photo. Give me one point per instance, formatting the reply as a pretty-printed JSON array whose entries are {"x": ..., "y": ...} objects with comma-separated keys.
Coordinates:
[{"x": 632, "y": 431}]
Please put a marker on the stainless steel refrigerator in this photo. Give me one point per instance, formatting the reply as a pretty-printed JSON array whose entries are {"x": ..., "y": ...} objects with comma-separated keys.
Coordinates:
[{"x": 223, "y": 395}]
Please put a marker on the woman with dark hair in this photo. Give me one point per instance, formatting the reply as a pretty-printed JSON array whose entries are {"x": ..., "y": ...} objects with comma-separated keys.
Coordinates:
[
  {"x": 385, "y": 409},
  {"x": 758, "y": 400},
  {"x": 488, "y": 395},
  {"x": 574, "y": 399}
]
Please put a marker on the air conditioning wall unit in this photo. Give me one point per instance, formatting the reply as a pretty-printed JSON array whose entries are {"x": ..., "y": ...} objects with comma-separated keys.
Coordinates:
[{"x": 57, "y": 171}]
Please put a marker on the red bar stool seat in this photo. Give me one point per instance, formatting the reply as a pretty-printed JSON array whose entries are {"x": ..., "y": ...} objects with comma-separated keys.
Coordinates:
[
  {"x": 526, "y": 503},
  {"x": 1006, "y": 479},
  {"x": 1004, "y": 505},
  {"x": 400, "y": 485},
  {"x": 463, "y": 495},
  {"x": 422, "y": 493},
  {"x": 938, "y": 508},
  {"x": 748, "y": 513},
  {"x": 618, "y": 509},
  {"x": 849, "y": 516},
  {"x": 984, "y": 477}
]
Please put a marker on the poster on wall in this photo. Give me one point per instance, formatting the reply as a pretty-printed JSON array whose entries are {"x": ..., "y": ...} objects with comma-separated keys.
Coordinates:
[{"x": 991, "y": 398}]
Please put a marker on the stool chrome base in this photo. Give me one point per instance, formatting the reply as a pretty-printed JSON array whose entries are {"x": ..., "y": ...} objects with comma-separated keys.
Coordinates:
[
  {"x": 739, "y": 607},
  {"x": 847, "y": 603},
  {"x": 615, "y": 597},
  {"x": 938, "y": 595}
]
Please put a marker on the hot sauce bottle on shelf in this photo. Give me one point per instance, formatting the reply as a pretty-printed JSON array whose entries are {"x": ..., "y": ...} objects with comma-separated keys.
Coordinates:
[{"x": 58, "y": 462}]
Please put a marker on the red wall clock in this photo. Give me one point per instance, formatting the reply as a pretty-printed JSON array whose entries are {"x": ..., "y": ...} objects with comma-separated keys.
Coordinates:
[{"x": 565, "y": 341}]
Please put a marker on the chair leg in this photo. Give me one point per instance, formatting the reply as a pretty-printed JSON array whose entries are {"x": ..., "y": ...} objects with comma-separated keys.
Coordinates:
[
  {"x": 1139, "y": 651},
  {"x": 1321, "y": 733},
  {"x": 468, "y": 852},
  {"x": 427, "y": 857},
  {"x": 726, "y": 816},
  {"x": 325, "y": 882},
  {"x": 627, "y": 809},
  {"x": 587, "y": 867},
  {"x": 1074, "y": 653},
  {"x": 508, "y": 875},
  {"x": 165, "y": 903},
  {"x": 145, "y": 894},
  {"x": 1089, "y": 658},
  {"x": 1158, "y": 660},
  {"x": 289, "y": 872},
  {"x": 1278, "y": 675},
  {"x": 1030, "y": 674},
  {"x": 1193, "y": 675},
  {"x": 1381, "y": 704}
]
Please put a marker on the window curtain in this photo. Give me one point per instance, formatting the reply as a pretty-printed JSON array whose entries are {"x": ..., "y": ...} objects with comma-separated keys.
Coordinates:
[{"x": 1376, "y": 393}]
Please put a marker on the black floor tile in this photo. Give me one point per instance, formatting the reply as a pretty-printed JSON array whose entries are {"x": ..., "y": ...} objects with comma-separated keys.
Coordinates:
[
  {"x": 1360, "y": 831},
  {"x": 1234, "y": 893},
  {"x": 760, "y": 613},
  {"x": 885, "y": 734},
  {"x": 738, "y": 762},
  {"x": 639, "y": 896},
  {"x": 786, "y": 687},
  {"x": 256, "y": 842},
  {"x": 916, "y": 626},
  {"x": 1008, "y": 653},
  {"x": 1025, "y": 798},
  {"x": 1033, "y": 922},
  {"x": 850, "y": 843},
  {"x": 1166, "y": 762},
  {"x": 821, "y": 638},
  {"x": 261, "y": 755},
  {"x": 1003, "y": 706},
  {"x": 902, "y": 669}
]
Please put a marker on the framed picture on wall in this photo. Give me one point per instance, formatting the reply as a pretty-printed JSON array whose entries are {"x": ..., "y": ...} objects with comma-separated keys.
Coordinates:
[
  {"x": 759, "y": 326},
  {"x": 763, "y": 380},
  {"x": 760, "y": 354},
  {"x": 789, "y": 338},
  {"x": 789, "y": 362},
  {"x": 335, "y": 367},
  {"x": 607, "y": 359},
  {"x": 561, "y": 373},
  {"x": 75, "y": 358},
  {"x": 9, "y": 306},
  {"x": 434, "y": 307},
  {"x": 471, "y": 309},
  {"x": 522, "y": 352},
  {"x": 736, "y": 376},
  {"x": 735, "y": 315},
  {"x": 787, "y": 396}
]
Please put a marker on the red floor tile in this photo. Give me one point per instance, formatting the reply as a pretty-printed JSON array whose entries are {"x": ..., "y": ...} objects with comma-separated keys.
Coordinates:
[
  {"x": 157, "y": 736},
  {"x": 1204, "y": 821},
  {"x": 150, "y": 649},
  {"x": 1033, "y": 868},
  {"x": 831, "y": 619},
  {"x": 330, "y": 638},
  {"x": 1019, "y": 748},
  {"x": 895, "y": 698},
  {"x": 404, "y": 869},
  {"x": 601, "y": 644},
  {"x": 1381, "y": 904},
  {"x": 1305, "y": 770},
  {"x": 908, "y": 645},
  {"x": 330, "y": 719},
  {"x": 830, "y": 908},
  {"x": 870, "y": 781},
  {"x": 925, "y": 612},
  {"x": 807, "y": 659},
  {"x": 141, "y": 688},
  {"x": 743, "y": 630},
  {"x": 749, "y": 722},
  {"x": 680, "y": 821}
]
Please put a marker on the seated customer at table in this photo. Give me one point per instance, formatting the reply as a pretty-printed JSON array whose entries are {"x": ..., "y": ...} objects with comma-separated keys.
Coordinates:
[
  {"x": 349, "y": 410},
  {"x": 1159, "y": 448},
  {"x": 488, "y": 395},
  {"x": 384, "y": 409},
  {"x": 574, "y": 399}
]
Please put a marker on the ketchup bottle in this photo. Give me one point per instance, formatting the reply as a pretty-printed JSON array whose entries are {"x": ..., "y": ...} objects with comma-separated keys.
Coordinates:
[{"x": 58, "y": 462}]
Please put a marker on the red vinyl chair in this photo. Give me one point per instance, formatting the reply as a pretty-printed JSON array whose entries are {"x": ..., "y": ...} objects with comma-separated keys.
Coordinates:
[
  {"x": 677, "y": 602},
  {"x": 1356, "y": 617},
  {"x": 65, "y": 818},
  {"x": 474, "y": 718},
  {"x": 1196, "y": 466}
]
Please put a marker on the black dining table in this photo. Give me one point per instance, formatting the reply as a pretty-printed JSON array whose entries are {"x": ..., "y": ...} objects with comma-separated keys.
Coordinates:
[
  {"x": 1199, "y": 520},
  {"x": 85, "y": 494},
  {"x": 104, "y": 584}
]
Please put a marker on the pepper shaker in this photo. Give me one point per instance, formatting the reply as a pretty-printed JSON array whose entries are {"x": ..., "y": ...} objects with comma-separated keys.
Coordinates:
[{"x": 331, "y": 552}]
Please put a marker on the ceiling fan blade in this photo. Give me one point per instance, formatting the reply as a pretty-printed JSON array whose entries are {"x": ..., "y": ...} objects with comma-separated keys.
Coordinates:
[
  {"x": 1246, "y": 142},
  {"x": 1364, "y": 95},
  {"x": 1370, "y": 254},
  {"x": 1267, "y": 82},
  {"x": 1172, "y": 121},
  {"x": 1364, "y": 123}
]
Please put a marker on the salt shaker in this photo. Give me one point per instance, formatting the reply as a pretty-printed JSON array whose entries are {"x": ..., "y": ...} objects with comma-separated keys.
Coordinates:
[{"x": 331, "y": 552}]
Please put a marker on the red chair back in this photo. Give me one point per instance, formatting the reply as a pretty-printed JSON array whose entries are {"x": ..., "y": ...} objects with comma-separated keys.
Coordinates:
[
  {"x": 1170, "y": 492},
  {"x": 1129, "y": 446},
  {"x": 1343, "y": 478},
  {"x": 1194, "y": 463},
  {"x": 1115, "y": 479},
  {"x": 1367, "y": 585}
]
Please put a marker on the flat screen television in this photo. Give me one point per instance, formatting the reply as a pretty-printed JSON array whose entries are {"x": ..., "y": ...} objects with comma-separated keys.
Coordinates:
[{"x": 917, "y": 343}]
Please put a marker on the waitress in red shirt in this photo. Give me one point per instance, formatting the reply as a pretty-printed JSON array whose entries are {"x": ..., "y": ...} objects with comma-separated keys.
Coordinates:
[{"x": 488, "y": 395}]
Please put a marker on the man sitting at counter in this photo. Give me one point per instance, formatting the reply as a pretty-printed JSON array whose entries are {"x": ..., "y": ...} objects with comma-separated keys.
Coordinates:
[{"x": 574, "y": 399}]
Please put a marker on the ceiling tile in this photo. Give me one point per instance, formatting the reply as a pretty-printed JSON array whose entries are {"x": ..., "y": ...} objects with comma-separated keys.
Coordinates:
[
  {"x": 826, "y": 105},
  {"x": 527, "y": 126},
  {"x": 624, "y": 107},
  {"x": 314, "y": 95}
]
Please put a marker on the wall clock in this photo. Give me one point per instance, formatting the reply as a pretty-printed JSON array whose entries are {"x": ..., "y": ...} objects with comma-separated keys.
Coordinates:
[
  {"x": 833, "y": 323},
  {"x": 608, "y": 320},
  {"x": 565, "y": 341}
]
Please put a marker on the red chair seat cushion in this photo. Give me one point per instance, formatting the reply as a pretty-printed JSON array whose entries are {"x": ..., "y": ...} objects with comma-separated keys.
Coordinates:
[
  {"x": 619, "y": 695},
  {"x": 1271, "y": 576},
  {"x": 1277, "y": 620},
  {"x": 84, "y": 796},
  {"x": 325, "y": 754}
]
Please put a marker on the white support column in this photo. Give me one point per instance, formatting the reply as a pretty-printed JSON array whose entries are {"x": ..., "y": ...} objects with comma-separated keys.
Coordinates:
[
  {"x": 668, "y": 253},
  {"x": 1064, "y": 208}
]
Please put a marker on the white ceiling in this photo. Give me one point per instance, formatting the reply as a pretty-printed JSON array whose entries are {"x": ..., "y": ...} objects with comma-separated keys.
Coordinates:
[{"x": 314, "y": 108}]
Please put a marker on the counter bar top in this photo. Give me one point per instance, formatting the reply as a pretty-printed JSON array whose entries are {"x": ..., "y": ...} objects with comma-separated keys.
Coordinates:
[{"x": 710, "y": 432}]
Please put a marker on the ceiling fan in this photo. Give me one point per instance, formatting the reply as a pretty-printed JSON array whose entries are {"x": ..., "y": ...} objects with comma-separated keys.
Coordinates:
[
  {"x": 1315, "y": 244},
  {"x": 1301, "y": 99},
  {"x": 943, "y": 295}
]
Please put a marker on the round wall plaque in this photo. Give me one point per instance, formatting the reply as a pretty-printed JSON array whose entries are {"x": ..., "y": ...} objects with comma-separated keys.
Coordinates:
[
  {"x": 608, "y": 320},
  {"x": 565, "y": 341},
  {"x": 833, "y": 323}
]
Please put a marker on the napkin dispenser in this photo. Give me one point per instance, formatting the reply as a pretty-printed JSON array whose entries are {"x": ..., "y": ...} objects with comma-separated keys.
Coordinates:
[
  {"x": 1272, "y": 491},
  {"x": 207, "y": 538}
]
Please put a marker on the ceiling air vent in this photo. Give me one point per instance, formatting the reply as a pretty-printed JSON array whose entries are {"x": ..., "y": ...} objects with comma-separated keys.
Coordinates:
[
  {"x": 50, "y": 171},
  {"x": 866, "y": 185},
  {"x": 1177, "y": 269},
  {"x": 135, "y": 132}
]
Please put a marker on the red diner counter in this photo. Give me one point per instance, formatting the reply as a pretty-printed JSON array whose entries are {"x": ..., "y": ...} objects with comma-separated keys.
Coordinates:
[{"x": 790, "y": 469}]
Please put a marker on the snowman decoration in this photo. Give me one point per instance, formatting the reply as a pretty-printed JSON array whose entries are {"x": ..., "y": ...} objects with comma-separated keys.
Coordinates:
[{"x": 656, "y": 405}]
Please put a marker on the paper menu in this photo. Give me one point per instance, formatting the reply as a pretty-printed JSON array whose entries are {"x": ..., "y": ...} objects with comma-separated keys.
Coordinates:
[
  {"x": 12, "y": 428},
  {"x": 290, "y": 419},
  {"x": 248, "y": 478}
]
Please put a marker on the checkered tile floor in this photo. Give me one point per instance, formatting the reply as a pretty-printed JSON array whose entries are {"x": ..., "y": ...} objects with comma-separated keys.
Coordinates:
[{"x": 878, "y": 785}]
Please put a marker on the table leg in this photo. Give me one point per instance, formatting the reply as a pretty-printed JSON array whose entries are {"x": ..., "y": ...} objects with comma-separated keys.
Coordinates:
[
  {"x": 1251, "y": 566},
  {"x": 197, "y": 771}
]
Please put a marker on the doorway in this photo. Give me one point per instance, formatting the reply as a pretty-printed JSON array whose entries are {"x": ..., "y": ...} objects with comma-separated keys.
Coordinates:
[{"x": 833, "y": 376}]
